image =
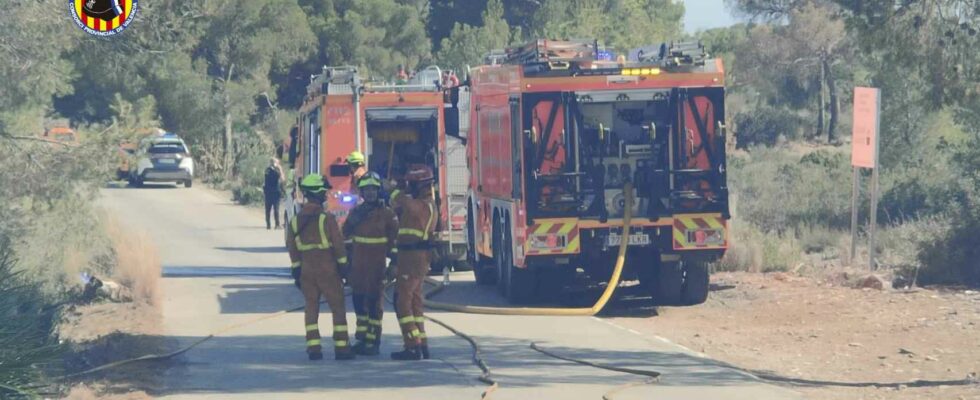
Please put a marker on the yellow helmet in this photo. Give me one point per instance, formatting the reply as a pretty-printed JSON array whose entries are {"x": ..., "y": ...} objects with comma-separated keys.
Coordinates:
[
  {"x": 369, "y": 179},
  {"x": 313, "y": 183},
  {"x": 355, "y": 157}
]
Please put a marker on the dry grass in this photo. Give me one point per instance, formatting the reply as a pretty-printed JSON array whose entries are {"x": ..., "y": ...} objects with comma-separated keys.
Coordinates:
[
  {"x": 83, "y": 392},
  {"x": 137, "y": 261}
]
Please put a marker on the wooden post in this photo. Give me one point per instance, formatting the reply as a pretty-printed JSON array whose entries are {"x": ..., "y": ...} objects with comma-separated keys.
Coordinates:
[
  {"x": 855, "y": 194},
  {"x": 874, "y": 220}
]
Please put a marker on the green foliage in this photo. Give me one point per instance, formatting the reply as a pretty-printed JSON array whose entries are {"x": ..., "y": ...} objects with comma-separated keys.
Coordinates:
[
  {"x": 817, "y": 238},
  {"x": 378, "y": 35},
  {"x": 953, "y": 258},
  {"x": 778, "y": 191},
  {"x": 467, "y": 44},
  {"x": 756, "y": 251},
  {"x": 622, "y": 24},
  {"x": 248, "y": 190},
  {"x": 31, "y": 73},
  {"x": 25, "y": 344},
  {"x": 766, "y": 126}
]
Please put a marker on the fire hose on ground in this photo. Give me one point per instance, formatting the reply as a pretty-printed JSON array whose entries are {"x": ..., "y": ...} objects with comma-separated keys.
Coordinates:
[{"x": 485, "y": 377}]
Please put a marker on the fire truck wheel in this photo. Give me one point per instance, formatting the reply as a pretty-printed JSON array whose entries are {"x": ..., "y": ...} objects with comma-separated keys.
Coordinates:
[
  {"x": 521, "y": 282},
  {"x": 498, "y": 258},
  {"x": 696, "y": 283},
  {"x": 664, "y": 283},
  {"x": 470, "y": 237},
  {"x": 485, "y": 273}
]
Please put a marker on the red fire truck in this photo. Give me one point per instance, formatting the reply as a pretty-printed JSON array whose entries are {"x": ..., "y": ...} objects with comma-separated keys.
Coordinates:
[
  {"x": 394, "y": 125},
  {"x": 555, "y": 129}
]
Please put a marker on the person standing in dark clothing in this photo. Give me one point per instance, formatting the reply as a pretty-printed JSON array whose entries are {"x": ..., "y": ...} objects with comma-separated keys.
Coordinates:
[{"x": 273, "y": 191}]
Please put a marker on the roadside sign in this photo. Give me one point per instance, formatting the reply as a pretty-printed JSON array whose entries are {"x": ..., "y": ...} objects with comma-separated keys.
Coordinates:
[
  {"x": 864, "y": 141},
  {"x": 864, "y": 154}
]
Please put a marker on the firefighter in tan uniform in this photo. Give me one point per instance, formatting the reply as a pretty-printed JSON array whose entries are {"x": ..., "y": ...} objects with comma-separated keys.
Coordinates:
[
  {"x": 319, "y": 259},
  {"x": 356, "y": 161},
  {"x": 417, "y": 215},
  {"x": 372, "y": 228}
]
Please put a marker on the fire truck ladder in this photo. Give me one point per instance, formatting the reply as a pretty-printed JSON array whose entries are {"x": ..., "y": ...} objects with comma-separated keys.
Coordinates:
[
  {"x": 334, "y": 80},
  {"x": 553, "y": 52}
]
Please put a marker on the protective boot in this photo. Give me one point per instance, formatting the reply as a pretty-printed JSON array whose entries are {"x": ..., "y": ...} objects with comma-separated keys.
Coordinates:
[
  {"x": 343, "y": 356},
  {"x": 424, "y": 351},
  {"x": 369, "y": 349},
  {"x": 315, "y": 356},
  {"x": 407, "y": 355},
  {"x": 371, "y": 344}
]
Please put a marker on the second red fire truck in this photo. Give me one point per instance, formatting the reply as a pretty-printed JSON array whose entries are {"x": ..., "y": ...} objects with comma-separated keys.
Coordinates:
[{"x": 393, "y": 124}]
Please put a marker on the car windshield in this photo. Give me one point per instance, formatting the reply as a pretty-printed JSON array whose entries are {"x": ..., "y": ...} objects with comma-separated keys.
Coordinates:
[{"x": 166, "y": 148}]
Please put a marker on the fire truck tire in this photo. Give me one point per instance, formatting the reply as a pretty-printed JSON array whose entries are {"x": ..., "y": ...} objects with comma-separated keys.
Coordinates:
[
  {"x": 521, "y": 282},
  {"x": 664, "y": 284},
  {"x": 498, "y": 257},
  {"x": 485, "y": 273},
  {"x": 696, "y": 283}
]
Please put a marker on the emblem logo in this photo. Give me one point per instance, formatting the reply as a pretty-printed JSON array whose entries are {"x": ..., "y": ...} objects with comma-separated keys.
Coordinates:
[{"x": 103, "y": 17}]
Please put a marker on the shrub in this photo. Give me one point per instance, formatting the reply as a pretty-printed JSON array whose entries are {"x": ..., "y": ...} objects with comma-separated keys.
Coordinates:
[
  {"x": 752, "y": 250},
  {"x": 766, "y": 126},
  {"x": 779, "y": 191},
  {"x": 137, "y": 262},
  {"x": 954, "y": 257},
  {"x": 744, "y": 248},
  {"x": 25, "y": 340},
  {"x": 817, "y": 238},
  {"x": 248, "y": 189}
]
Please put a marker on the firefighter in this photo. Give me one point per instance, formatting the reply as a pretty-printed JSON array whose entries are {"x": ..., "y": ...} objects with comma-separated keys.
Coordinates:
[
  {"x": 316, "y": 249},
  {"x": 373, "y": 229},
  {"x": 355, "y": 160},
  {"x": 417, "y": 214}
]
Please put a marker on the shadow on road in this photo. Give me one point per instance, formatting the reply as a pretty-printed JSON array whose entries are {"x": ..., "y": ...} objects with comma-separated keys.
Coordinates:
[
  {"x": 625, "y": 303},
  {"x": 147, "y": 185},
  {"x": 277, "y": 363},
  {"x": 255, "y": 250},
  {"x": 516, "y": 365},
  {"x": 215, "y": 272},
  {"x": 260, "y": 297}
]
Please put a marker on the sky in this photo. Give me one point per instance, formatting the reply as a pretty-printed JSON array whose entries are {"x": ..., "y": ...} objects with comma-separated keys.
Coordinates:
[{"x": 706, "y": 14}]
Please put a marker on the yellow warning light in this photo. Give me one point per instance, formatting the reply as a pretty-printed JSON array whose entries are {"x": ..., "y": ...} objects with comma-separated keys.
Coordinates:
[{"x": 640, "y": 71}]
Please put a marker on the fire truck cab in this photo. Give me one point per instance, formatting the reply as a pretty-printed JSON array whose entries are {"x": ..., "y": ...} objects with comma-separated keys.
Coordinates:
[
  {"x": 394, "y": 125},
  {"x": 555, "y": 131}
]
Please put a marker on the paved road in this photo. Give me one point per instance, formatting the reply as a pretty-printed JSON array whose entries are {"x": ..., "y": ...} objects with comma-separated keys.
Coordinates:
[{"x": 206, "y": 242}]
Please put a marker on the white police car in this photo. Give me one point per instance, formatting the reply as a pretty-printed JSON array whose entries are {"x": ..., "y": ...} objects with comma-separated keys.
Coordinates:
[{"x": 163, "y": 158}]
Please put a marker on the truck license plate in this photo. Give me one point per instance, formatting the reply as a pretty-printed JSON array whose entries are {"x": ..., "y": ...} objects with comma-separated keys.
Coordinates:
[{"x": 636, "y": 239}]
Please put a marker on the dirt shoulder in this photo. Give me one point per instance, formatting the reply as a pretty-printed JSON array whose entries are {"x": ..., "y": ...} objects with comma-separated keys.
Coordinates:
[
  {"x": 818, "y": 329},
  {"x": 99, "y": 334}
]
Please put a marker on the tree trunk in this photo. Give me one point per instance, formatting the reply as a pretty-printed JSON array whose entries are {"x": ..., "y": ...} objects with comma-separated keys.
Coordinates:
[
  {"x": 834, "y": 103},
  {"x": 228, "y": 139},
  {"x": 822, "y": 105}
]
